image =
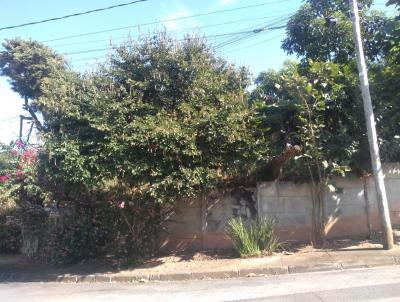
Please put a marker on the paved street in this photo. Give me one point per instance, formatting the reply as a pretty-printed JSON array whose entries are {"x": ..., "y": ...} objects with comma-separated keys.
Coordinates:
[{"x": 377, "y": 284}]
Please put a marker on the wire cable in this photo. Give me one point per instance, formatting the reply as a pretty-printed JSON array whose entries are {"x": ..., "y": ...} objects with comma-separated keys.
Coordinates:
[
  {"x": 119, "y": 38},
  {"x": 255, "y": 44},
  {"x": 240, "y": 33},
  {"x": 166, "y": 20},
  {"x": 72, "y": 15},
  {"x": 261, "y": 28}
]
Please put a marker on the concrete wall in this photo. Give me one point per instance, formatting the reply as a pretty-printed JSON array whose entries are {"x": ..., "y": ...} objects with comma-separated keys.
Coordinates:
[
  {"x": 290, "y": 204},
  {"x": 184, "y": 228},
  {"x": 200, "y": 223}
]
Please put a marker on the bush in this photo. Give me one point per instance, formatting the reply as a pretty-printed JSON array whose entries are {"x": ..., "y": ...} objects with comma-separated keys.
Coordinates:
[
  {"x": 96, "y": 229},
  {"x": 10, "y": 238},
  {"x": 253, "y": 238},
  {"x": 67, "y": 237}
]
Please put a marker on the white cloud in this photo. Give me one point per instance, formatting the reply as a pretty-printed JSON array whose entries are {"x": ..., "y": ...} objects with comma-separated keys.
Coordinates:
[
  {"x": 180, "y": 24},
  {"x": 227, "y": 2}
]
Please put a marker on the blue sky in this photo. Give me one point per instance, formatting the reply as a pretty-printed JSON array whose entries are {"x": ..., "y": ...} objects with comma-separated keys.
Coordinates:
[{"x": 224, "y": 29}]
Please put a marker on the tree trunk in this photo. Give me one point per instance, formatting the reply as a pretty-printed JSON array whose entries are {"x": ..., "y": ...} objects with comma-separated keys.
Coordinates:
[
  {"x": 367, "y": 204},
  {"x": 318, "y": 216}
]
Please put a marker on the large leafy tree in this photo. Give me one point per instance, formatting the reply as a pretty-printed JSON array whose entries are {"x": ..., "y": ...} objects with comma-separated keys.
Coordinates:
[
  {"x": 321, "y": 30},
  {"x": 386, "y": 93},
  {"x": 167, "y": 119},
  {"x": 317, "y": 104},
  {"x": 312, "y": 108},
  {"x": 26, "y": 64},
  {"x": 161, "y": 121}
]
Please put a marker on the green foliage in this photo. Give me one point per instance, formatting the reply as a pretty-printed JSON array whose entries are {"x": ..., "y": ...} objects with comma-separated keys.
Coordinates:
[
  {"x": 80, "y": 236},
  {"x": 26, "y": 64},
  {"x": 160, "y": 121},
  {"x": 394, "y": 2},
  {"x": 167, "y": 118},
  {"x": 253, "y": 238},
  {"x": 311, "y": 36},
  {"x": 67, "y": 237},
  {"x": 385, "y": 80},
  {"x": 164, "y": 120},
  {"x": 317, "y": 104},
  {"x": 317, "y": 108},
  {"x": 19, "y": 176},
  {"x": 10, "y": 238}
]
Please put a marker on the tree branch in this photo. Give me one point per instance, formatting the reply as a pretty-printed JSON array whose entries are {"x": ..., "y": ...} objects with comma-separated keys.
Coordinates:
[{"x": 27, "y": 107}]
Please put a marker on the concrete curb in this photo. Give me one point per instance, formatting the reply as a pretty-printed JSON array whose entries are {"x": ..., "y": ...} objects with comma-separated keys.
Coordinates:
[{"x": 223, "y": 274}]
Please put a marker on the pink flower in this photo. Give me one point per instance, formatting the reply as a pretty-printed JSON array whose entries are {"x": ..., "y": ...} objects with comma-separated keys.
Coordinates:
[
  {"x": 4, "y": 178},
  {"x": 29, "y": 156},
  {"x": 20, "y": 144},
  {"x": 19, "y": 173},
  {"x": 122, "y": 205},
  {"x": 14, "y": 152}
]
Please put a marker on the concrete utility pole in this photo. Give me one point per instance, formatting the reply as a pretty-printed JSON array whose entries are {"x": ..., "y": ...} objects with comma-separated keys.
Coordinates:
[{"x": 372, "y": 137}]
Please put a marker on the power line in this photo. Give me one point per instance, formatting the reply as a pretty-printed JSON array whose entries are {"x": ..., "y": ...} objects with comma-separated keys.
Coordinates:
[
  {"x": 89, "y": 58},
  {"x": 166, "y": 20},
  {"x": 272, "y": 26},
  {"x": 255, "y": 44},
  {"x": 73, "y": 15},
  {"x": 247, "y": 38},
  {"x": 239, "y": 36},
  {"x": 118, "y": 38},
  {"x": 241, "y": 33}
]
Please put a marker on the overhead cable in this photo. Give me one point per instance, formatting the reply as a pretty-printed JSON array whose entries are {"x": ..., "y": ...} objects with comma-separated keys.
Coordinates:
[
  {"x": 72, "y": 15},
  {"x": 166, "y": 20}
]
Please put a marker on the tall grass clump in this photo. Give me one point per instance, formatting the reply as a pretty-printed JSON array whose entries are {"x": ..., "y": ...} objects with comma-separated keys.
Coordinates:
[{"x": 253, "y": 238}]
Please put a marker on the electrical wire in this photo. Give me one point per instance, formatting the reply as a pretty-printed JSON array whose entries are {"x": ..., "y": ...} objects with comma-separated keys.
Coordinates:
[
  {"x": 241, "y": 33},
  {"x": 265, "y": 27},
  {"x": 119, "y": 38},
  {"x": 166, "y": 20},
  {"x": 72, "y": 15},
  {"x": 234, "y": 38},
  {"x": 255, "y": 44}
]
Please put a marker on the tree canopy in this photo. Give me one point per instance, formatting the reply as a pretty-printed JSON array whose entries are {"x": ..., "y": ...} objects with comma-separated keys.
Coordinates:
[
  {"x": 322, "y": 30},
  {"x": 168, "y": 119}
]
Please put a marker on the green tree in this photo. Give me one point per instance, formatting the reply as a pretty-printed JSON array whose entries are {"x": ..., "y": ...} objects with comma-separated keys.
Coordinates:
[
  {"x": 26, "y": 64},
  {"x": 161, "y": 121},
  {"x": 385, "y": 83},
  {"x": 169, "y": 118},
  {"x": 322, "y": 31},
  {"x": 320, "y": 110}
]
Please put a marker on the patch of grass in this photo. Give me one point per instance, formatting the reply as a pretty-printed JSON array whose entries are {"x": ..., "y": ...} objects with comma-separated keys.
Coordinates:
[{"x": 253, "y": 238}]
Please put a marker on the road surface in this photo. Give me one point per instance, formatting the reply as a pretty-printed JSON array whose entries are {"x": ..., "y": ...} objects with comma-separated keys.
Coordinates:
[{"x": 377, "y": 284}]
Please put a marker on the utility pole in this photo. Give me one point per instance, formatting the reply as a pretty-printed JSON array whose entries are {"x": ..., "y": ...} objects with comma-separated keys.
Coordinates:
[{"x": 371, "y": 130}]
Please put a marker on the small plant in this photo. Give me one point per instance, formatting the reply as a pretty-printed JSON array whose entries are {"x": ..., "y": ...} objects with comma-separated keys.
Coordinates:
[{"x": 253, "y": 238}]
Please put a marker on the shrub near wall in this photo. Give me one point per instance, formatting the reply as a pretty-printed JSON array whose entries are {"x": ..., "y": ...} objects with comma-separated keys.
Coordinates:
[
  {"x": 10, "y": 237},
  {"x": 61, "y": 237},
  {"x": 253, "y": 238},
  {"x": 91, "y": 231}
]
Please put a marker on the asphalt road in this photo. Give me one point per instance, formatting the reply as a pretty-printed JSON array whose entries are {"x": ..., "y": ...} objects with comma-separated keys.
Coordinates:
[{"x": 377, "y": 284}]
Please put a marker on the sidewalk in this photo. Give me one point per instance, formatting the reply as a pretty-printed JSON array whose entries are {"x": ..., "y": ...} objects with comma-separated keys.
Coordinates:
[{"x": 178, "y": 268}]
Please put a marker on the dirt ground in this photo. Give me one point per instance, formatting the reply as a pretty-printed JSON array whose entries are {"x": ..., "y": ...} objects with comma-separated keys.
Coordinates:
[{"x": 227, "y": 259}]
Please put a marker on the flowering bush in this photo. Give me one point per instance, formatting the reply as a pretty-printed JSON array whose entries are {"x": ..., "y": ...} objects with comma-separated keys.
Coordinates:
[
  {"x": 18, "y": 173},
  {"x": 4, "y": 178}
]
